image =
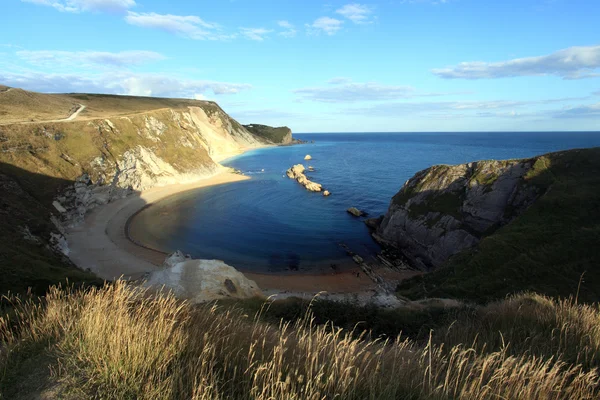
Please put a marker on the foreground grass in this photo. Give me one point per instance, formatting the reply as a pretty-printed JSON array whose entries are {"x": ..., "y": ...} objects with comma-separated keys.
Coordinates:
[{"x": 119, "y": 342}]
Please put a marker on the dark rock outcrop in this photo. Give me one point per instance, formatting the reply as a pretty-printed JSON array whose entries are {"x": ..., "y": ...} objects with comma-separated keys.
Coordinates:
[{"x": 446, "y": 209}]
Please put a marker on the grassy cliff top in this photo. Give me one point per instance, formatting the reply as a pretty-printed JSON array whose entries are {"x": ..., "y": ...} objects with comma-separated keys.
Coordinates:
[
  {"x": 18, "y": 105},
  {"x": 547, "y": 249},
  {"x": 275, "y": 135}
]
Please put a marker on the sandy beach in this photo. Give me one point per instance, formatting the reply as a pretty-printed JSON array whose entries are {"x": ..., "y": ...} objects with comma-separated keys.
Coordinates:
[{"x": 102, "y": 245}]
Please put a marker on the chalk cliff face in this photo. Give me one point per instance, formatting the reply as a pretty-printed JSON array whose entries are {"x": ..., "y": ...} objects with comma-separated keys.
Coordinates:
[
  {"x": 446, "y": 209},
  {"x": 109, "y": 157},
  {"x": 117, "y": 145}
]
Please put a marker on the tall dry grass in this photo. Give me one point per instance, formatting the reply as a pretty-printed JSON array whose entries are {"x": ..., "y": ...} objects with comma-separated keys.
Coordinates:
[{"x": 119, "y": 342}]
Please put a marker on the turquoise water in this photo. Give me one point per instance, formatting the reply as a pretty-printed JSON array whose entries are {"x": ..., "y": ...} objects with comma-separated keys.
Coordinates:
[{"x": 272, "y": 224}]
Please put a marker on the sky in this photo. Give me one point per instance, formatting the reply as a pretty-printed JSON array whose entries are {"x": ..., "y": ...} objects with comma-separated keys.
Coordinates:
[{"x": 323, "y": 66}]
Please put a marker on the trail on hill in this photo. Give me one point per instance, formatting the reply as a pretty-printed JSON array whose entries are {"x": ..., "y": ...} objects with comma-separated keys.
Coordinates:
[{"x": 71, "y": 117}]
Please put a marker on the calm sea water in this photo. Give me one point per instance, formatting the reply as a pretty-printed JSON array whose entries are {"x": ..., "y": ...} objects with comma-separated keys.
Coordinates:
[{"x": 272, "y": 224}]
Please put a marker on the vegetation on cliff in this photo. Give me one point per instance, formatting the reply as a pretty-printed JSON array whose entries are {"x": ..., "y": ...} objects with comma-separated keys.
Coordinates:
[
  {"x": 281, "y": 134},
  {"x": 550, "y": 248},
  {"x": 117, "y": 144},
  {"x": 118, "y": 343}
]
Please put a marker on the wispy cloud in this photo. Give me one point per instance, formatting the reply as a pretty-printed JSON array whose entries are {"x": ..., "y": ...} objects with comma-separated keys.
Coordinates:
[
  {"x": 492, "y": 108},
  {"x": 582, "y": 111},
  {"x": 126, "y": 83},
  {"x": 357, "y": 13},
  {"x": 343, "y": 90},
  {"x": 52, "y": 58},
  {"x": 189, "y": 26},
  {"x": 339, "y": 80},
  {"x": 572, "y": 63},
  {"x": 76, "y": 6},
  {"x": 289, "y": 29},
  {"x": 327, "y": 25},
  {"x": 258, "y": 34}
]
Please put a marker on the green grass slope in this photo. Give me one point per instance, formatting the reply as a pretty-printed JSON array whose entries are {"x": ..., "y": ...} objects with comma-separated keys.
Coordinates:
[
  {"x": 281, "y": 134},
  {"x": 547, "y": 249}
]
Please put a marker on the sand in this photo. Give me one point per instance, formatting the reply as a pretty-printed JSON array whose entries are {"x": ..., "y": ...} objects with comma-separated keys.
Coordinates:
[{"x": 101, "y": 245}]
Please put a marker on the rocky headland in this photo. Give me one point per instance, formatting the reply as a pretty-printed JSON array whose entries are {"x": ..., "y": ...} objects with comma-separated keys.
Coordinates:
[{"x": 446, "y": 209}]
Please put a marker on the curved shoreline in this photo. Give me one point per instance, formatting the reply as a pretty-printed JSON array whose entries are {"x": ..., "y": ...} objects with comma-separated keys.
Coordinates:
[{"x": 103, "y": 245}]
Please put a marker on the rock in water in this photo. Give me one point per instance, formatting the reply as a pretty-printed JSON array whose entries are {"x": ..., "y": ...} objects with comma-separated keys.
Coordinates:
[
  {"x": 200, "y": 281},
  {"x": 308, "y": 157},
  {"x": 356, "y": 212},
  {"x": 297, "y": 173},
  {"x": 326, "y": 193}
]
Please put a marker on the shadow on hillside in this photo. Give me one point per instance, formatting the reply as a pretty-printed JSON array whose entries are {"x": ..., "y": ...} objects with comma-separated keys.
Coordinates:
[{"x": 26, "y": 262}]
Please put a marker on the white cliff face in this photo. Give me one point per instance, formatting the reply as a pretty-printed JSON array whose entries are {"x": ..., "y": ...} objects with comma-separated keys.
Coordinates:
[
  {"x": 201, "y": 281},
  {"x": 139, "y": 152}
]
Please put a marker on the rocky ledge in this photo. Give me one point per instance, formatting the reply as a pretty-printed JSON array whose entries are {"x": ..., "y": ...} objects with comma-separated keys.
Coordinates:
[
  {"x": 446, "y": 209},
  {"x": 297, "y": 173}
]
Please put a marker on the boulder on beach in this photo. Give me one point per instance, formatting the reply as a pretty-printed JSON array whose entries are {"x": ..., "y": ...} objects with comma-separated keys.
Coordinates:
[
  {"x": 356, "y": 212},
  {"x": 308, "y": 157},
  {"x": 200, "y": 281}
]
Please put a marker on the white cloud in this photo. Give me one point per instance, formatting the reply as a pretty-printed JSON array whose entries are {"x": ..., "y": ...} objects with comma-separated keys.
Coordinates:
[
  {"x": 327, "y": 25},
  {"x": 357, "y": 13},
  {"x": 51, "y": 58},
  {"x": 125, "y": 83},
  {"x": 86, "y": 5},
  {"x": 343, "y": 90},
  {"x": 290, "y": 29},
  {"x": 258, "y": 34},
  {"x": 189, "y": 26},
  {"x": 572, "y": 63}
]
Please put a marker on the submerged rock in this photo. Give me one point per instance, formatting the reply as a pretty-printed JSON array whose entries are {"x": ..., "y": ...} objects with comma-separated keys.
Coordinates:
[
  {"x": 200, "y": 281},
  {"x": 356, "y": 212}
]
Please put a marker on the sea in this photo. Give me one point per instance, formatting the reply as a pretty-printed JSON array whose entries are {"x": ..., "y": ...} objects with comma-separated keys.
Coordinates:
[{"x": 271, "y": 224}]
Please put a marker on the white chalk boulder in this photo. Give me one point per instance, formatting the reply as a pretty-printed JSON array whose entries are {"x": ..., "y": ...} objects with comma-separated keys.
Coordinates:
[{"x": 200, "y": 281}]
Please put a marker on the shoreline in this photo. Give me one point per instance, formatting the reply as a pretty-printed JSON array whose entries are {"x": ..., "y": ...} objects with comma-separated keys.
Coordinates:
[{"x": 103, "y": 244}]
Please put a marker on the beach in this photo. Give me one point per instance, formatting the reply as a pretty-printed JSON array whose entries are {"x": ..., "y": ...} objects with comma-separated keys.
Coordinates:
[{"x": 102, "y": 245}]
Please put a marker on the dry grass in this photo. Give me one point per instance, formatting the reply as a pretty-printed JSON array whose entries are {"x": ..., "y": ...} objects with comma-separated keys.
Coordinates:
[{"x": 119, "y": 342}]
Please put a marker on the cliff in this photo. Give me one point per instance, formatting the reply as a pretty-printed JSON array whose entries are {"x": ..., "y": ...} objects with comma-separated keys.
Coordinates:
[
  {"x": 97, "y": 148},
  {"x": 281, "y": 135},
  {"x": 446, "y": 209},
  {"x": 490, "y": 228}
]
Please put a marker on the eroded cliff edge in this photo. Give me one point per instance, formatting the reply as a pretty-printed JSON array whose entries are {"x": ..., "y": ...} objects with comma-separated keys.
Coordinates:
[
  {"x": 446, "y": 209},
  {"x": 53, "y": 172},
  {"x": 487, "y": 229}
]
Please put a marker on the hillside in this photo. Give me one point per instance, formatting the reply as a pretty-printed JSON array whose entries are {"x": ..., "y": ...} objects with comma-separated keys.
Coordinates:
[
  {"x": 276, "y": 135},
  {"x": 115, "y": 146},
  {"x": 492, "y": 228}
]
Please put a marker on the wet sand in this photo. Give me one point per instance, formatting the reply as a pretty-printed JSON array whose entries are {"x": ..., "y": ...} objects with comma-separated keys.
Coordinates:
[{"x": 103, "y": 245}]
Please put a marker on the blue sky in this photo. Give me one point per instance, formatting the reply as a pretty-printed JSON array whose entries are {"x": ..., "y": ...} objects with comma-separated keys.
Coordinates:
[{"x": 323, "y": 66}]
